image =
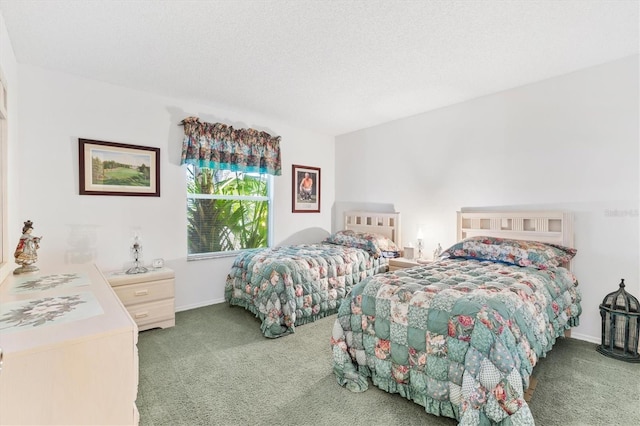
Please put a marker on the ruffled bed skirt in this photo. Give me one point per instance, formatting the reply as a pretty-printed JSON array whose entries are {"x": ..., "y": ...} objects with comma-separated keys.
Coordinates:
[{"x": 274, "y": 329}]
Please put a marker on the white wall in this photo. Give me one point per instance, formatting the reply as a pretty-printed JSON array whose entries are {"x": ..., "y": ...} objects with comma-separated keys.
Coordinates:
[
  {"x": 9, "y": 70},
  {"x": 569, "y": 142},
  {"x": 56, "y": 109}
]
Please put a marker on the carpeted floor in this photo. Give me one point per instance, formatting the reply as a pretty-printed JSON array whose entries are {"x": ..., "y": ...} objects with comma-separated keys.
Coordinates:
[{"x": 215, "y": 368}]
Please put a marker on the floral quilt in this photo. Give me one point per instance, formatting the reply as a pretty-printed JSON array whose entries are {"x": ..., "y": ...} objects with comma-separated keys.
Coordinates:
[
  {"x": 293, "y": 285},
  {"x": 459, "y": 337}
]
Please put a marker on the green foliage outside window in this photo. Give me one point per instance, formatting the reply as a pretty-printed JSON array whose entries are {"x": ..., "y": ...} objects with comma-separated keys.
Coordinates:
[{"x": 226, "y": 210}]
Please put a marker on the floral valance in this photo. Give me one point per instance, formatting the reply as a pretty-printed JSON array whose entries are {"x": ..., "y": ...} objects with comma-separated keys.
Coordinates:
[{"x": 218, "y": 146}]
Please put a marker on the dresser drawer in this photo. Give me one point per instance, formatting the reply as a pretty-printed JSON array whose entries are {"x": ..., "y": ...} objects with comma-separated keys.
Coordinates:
[
  {"x": 133, "y": 294},
  {"x": 150, "y": 313}
]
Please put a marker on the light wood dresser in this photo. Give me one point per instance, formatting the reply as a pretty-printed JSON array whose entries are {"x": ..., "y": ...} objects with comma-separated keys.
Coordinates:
[
  {"x": 69, "y": 350},
  {"x": 149, "y": 297}
]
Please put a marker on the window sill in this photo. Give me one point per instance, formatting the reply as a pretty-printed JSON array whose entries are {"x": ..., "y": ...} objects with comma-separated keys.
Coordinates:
[{"x": 207, "y": 256}]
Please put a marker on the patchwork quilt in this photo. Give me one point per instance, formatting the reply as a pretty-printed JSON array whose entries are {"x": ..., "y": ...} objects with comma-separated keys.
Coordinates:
[
  {"x": 459, "y": 337},
  {"x": 293, "y": 285}
]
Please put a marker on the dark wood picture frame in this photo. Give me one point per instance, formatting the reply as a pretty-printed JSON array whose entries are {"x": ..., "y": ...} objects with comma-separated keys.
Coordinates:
[
  {"x": 132, "y": 169},
  {"x": 305, "y": 196}
]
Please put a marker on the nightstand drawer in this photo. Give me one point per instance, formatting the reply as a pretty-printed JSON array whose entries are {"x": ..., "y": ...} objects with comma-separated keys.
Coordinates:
[
  {"x": 145, "y": 292},
  {"x": 148, "y": 296},
  {"x": 153, "y": 312}
]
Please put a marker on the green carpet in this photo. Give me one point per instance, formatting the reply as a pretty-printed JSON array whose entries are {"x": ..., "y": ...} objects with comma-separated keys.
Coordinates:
[{"x": 215, "y": 368}]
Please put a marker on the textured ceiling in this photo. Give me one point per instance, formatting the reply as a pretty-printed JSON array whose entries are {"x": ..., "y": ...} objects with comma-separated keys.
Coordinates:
[{"x": 330, "y": 66}]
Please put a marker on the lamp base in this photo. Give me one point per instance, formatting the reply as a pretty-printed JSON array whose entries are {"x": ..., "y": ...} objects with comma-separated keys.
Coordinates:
[{"x": 137, "y": 269}]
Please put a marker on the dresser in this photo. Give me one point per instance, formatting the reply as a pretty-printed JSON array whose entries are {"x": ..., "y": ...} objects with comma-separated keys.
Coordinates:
[
  {"x": 69, "y": 350},
  {"x": 149, "y": 297}
]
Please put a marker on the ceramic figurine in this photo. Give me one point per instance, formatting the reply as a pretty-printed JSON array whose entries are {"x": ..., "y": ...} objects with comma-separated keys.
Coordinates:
[
  {"x": 437, "y": 252},
  {"x": 26, "y": 252}
]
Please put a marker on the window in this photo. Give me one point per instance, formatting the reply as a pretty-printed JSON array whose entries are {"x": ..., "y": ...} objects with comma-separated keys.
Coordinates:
[{"x": 227, "y": 211}]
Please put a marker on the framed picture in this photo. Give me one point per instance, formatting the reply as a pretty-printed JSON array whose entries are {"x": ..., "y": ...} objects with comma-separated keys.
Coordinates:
[
  {"x": 306, "y": 189},
  {"x": 109, "y": 168}
]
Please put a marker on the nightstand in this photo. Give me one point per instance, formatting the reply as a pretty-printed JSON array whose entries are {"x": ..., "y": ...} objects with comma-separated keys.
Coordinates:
[
  {"x": 402, "y": 263},
  {"x": 149, "y": 297}
]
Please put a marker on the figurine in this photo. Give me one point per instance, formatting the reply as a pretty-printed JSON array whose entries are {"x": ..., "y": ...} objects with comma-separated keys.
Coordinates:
[
  {"x": 26, "y": 254},
  {"x": 437, "y": 252}
]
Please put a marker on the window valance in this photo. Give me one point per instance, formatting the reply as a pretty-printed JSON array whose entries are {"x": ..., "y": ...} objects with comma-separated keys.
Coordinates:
[{"x": 218, "y": 146}]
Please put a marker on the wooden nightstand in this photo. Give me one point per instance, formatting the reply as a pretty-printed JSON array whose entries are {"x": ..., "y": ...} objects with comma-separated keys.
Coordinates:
[
  {"x": 149, "y": 297},
  {"x": 402, "y": 263}
]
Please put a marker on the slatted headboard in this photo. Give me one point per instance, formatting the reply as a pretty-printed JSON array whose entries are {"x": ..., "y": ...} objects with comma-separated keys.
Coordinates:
[
  {"x": 546, "y": 226},
  {"x": 387, "y": 224}
]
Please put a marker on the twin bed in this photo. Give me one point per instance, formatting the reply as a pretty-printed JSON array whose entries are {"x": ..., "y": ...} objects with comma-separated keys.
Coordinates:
[
  {"x": 459, "y": 336},
  {"x": 289, "y": 286}
]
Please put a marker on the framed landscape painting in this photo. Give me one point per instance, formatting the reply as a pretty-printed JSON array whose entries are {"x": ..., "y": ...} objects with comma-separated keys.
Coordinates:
[
  {"x": 306, "y": 189},
  {"x": 109, "y": 168}
]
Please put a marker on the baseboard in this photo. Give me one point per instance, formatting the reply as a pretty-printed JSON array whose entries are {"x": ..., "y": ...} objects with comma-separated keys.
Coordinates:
[
  {"x": 199, "y": 304},
  {"x": 585, "y": 337}
]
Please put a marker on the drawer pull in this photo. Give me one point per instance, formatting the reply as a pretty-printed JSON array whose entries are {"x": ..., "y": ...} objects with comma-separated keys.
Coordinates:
[
  {"x": 141, "y": 292},
  {"x": 142, "y": 315}
]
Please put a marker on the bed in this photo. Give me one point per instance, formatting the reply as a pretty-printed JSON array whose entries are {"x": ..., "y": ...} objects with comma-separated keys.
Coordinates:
[
  {"x": 291, "y": 285},
  {"x": 461, "y": 335}
]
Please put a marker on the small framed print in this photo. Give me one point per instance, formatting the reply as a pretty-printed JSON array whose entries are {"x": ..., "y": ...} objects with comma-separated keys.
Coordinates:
[
  {"x": 109, "y": 168},
  {"x": 305, "y": 197}
]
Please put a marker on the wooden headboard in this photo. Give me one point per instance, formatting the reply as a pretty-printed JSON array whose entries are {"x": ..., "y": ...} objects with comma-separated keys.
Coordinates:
[
  {"x": 387, "y": 224},
  {"x": 546, "y": 226}
]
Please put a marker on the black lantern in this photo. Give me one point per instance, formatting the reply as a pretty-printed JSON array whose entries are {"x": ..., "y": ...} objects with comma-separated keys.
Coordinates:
[{"x": 620, "y": 313}]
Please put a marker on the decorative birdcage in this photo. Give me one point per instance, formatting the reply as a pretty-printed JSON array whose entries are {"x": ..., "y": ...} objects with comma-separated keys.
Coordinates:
[{"x": 620, "y": 313}]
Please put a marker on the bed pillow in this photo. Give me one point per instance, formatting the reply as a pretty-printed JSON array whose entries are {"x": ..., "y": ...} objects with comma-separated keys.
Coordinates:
[
  {"x": 513, "y": 252},
  {"x": 376, "y": 244}
]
